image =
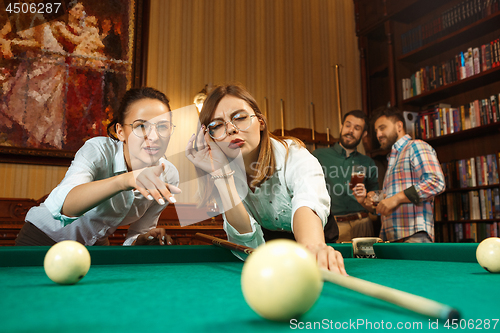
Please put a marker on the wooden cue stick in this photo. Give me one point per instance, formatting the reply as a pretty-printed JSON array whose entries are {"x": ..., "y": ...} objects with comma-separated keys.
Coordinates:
[
  {"x": 400, "y": 298},
  {"x": 339, "y": 102},
  {"x": 328, "y": 135},
  {"x": 223, "y": 243},
  {"x": 312, "y": 125},
  {"x": 282, "y": 119},
  {"x": 265, "y": 110}
]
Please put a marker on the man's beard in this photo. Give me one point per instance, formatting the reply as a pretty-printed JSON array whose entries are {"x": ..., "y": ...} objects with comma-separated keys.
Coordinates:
[
  {"x": 349, "y": 146},
  {"x": 391, "y": 139}
]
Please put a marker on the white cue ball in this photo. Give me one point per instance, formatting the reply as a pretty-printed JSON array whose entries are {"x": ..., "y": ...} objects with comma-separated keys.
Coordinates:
[
  {"x": 281, "y": 280},
  {"x": 488, "y": 254},
  {"x": 67, "y": 262}
]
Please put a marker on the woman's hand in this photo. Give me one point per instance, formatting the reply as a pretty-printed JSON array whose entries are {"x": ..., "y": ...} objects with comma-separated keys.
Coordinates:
[
  {"x": 327, "y": 257},
  {"x": 148, "y": 182},
  {"x": 156, "y": 236},
  {"x": 205, "y": 154}
]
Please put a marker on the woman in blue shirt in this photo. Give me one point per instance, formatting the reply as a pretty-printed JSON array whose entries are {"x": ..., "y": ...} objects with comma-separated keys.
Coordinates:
[{"x": 118, "y": 180}]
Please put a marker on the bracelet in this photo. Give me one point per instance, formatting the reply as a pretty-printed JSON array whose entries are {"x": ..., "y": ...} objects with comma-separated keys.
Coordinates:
[{"x": 224, "y": 175}]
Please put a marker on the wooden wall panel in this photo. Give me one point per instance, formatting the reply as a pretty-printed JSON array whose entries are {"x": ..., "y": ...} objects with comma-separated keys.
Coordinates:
[
  {"x": 278, "y": 49},
  {"x": 28, "y": 181}
]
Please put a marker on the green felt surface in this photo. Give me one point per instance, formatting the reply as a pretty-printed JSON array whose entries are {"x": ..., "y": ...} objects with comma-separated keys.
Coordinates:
[{"x": 206, "y": 296}]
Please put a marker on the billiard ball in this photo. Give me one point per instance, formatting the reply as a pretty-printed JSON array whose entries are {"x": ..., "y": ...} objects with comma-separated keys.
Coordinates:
[
  {"x": 281, "y": 280},
  {"x": 488, "y": 254},
  {"x": 67, "y": 262}
]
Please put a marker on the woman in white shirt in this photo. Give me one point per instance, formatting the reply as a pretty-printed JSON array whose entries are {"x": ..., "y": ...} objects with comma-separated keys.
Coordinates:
[
  {"x": 266, "y": 187},
  {"x": 118, "y": 180}
]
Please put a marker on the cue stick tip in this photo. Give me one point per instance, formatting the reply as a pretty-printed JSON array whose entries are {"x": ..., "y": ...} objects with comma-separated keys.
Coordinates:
[{"x": 450, "y": 314}]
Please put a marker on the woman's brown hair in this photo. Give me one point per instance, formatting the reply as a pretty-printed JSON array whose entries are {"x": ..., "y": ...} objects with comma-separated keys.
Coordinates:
[{"x": 131, "y": 96}]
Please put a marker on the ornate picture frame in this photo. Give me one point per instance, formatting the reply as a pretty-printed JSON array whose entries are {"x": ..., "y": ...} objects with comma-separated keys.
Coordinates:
[{"x": 61, "y": 78}]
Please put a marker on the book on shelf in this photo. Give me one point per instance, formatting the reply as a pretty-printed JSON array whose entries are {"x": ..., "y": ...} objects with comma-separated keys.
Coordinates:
[
  {"x": 472, "y": 175},
  {"x": 489, "y": 204},
  {"x": 495, "y": 61},
  {"x": 467, "y": 231},
  {"x": 439, "y": 120},
  {"x": 494, "y": 108},
  {"x": 482, "y": 204},
  {"x": 468, "y": 63},
  {"x": 449, "y": 20},
  {"x": 477, "y": 61},
  {"x": 487, "y": 51},
  {"x": 469, "y": 204},
  {"x": 482, "y": 199},
  {"x": 496, "y": 203}
]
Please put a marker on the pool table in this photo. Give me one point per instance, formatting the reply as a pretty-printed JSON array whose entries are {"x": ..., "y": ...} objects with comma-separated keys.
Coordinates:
[{"x": 197, "y": 289}]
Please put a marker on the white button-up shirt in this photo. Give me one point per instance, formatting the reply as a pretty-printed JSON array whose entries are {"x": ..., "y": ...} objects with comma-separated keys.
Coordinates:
[
  {"x": 99, "y": 158},
  {"x": 299, "y": 182}
]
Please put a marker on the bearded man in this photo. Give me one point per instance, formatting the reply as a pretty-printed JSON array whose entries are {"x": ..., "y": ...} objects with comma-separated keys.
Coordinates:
[
  {"x": 412, "y": 180},
  {"x": 348, "y": 213}
]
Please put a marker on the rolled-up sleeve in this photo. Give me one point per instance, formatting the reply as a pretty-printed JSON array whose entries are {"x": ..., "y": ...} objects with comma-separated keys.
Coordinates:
[
  {"x": 306, "y": 183},
  {"x": 81, "y": 171},
  {"x": 427, "y": 168},
  {"x": 251, "y": 239}
]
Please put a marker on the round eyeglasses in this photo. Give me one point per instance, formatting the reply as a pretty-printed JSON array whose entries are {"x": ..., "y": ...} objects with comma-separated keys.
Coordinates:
[
  {"x": 143, "y": 128},
  {"x": 217, "y": 129}
]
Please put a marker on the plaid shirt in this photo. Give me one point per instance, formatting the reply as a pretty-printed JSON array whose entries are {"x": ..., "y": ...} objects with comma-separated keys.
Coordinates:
[{"x": 412, "y": 163}]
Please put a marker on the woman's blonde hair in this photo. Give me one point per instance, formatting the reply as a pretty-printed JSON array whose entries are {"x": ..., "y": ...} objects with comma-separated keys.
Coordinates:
[{"x": 266, "y": 162}]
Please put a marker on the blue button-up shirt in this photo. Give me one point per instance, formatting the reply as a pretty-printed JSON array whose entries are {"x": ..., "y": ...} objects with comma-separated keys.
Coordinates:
[
  {"x": 297, "y": 182},
  {"x": 99, "y": 158}
]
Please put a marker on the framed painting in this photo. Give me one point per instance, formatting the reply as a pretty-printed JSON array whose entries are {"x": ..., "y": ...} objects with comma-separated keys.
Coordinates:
[{"x": 62, "y": 74}]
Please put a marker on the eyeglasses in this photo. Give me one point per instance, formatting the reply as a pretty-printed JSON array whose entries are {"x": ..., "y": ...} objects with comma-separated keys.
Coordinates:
[
  {"x": 143, "y": 128},
  {"x": 217, "y": 129}
]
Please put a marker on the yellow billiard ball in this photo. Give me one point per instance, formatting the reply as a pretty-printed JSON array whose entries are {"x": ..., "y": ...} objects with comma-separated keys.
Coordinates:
[
  {"x": 488, "y": 254},
  {"x": 281, "y": 280},
  {"x": 67, "y": 262}
]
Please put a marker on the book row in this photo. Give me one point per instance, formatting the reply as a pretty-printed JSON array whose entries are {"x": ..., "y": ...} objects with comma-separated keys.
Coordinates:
[
  {"x": 465, "y": 232},
  {"x": 465, "y": 64},
  {"x": 472, "y": 172},
  {"x": 450, "y": 20},
  {"x": 480, "y": 204},
  {"x": 443, "y": 119}
]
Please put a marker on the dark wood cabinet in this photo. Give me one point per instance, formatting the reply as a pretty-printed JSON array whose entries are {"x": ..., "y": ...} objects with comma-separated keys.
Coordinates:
[{"x": 13, "y": 212}]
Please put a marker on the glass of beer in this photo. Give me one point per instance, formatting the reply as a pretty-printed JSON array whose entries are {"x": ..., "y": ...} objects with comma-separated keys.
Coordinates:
[
  {"x": 357, "y": 176},
  {"x": 377, "y": 197}
]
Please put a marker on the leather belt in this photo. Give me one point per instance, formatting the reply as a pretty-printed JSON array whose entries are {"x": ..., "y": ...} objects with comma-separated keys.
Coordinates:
[{"x": 351, "y": 217}]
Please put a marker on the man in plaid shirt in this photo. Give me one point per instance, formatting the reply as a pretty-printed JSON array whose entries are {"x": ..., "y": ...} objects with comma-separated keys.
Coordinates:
[{"x": 413, "y": 178}]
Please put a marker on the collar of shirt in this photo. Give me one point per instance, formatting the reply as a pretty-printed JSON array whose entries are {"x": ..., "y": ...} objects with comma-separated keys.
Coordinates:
[
  {"x": 119, "y": 164},
  {"x": 280, "y": 152},
  {"x": 341, "y": 150},
  {"x": 399, "y": 145}
]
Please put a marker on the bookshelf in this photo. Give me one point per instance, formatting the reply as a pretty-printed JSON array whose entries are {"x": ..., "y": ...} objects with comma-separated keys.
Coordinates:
[
  {"x": 427, "y": 43},
  {"x": 465, "y": 34}
]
